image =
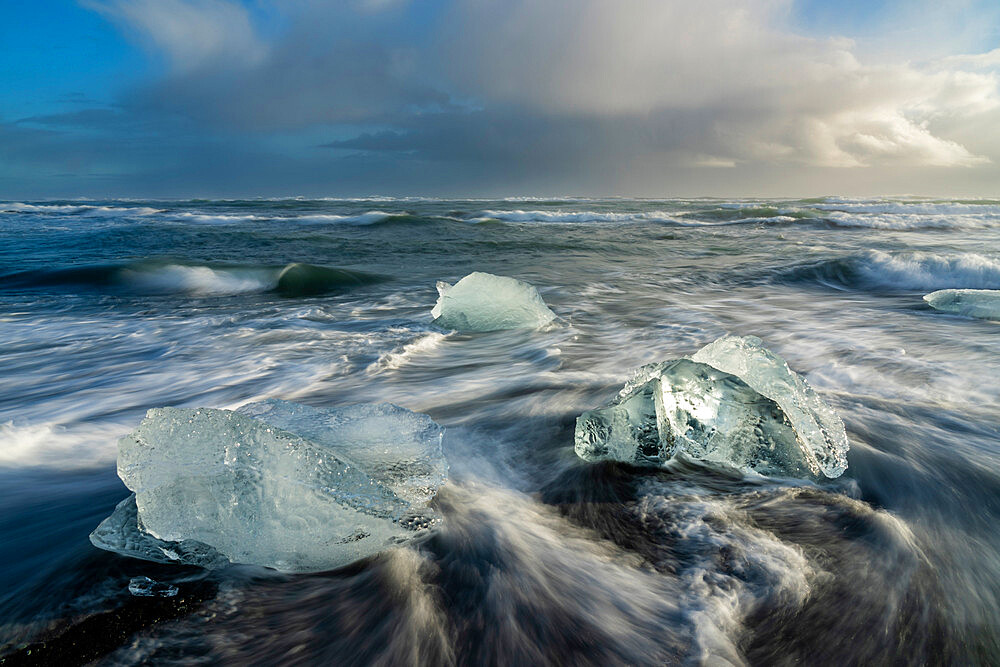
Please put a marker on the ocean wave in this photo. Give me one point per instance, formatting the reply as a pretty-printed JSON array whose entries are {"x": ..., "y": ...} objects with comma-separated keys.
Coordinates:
[
  {"x": 215, "y": 218},
  {"x": 904, "y": 271},
  {"x": 774, "y": 219},
  {"x": 560, "y": 216},
  {"x": 984, "y": 207},
  {"x": 160, "y": 277},
  {"x": 78, "y": 209},
  {"x": 740, "y": 212},
  {"x": 905, "y": 221},
  {"x": 369, "y": 218},
  {"x": 196, "y": 280},
  {"x": 709, "y": 218}
]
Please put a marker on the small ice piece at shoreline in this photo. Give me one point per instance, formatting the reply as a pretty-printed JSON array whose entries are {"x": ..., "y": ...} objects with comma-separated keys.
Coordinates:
[
  {"x": 287, "y": 486},
  {"x": 144, "y": 587},
  {"x": 482, "y": 302},
  {"x": 980, "y": 303},
  {"x": 734, "y": 402}
]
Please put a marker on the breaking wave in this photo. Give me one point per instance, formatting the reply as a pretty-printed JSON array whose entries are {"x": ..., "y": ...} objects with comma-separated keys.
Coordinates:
[
  {"x": 980, "y": 207},
  {"x": 166, "y": 277},
  {"x": 903, "y": 271},
  {"x": 77, "y": 209},
  {"x": 702, "y": 218},
  {"x": 369, "y": 218}
]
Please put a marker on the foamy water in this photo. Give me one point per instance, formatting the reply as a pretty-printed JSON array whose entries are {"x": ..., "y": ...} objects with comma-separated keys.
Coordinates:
[{"x": 110, "y": 308}]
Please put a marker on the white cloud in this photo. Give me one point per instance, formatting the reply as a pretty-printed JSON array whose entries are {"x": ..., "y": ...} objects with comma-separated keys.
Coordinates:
[
  {"x": 192, "y": 34},
  {"x": 772, "y": 94}
]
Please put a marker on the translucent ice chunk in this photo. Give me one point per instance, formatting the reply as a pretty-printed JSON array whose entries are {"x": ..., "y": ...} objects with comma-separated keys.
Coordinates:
[
  {"x": 122, "y": 533},
  {"x": 733, "y": 403},
  {"x": 145, "y": 587},
  {"x": 396, "y": 447},
  {"x": 981, "y": 303},
  {"x": 819, "y": 429},
  {"x": 287, "y": 493},
  {"x": 484, "y": 302}
]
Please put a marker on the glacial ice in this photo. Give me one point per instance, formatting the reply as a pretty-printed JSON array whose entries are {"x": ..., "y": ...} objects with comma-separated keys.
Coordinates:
[
  {"x": 485, "y": 302},
  {"x": 733, "y": 402},
  {"x": 144, "y": 587},
  {"x": 287, "y": 486},
  {"x": 981, "y": 303}
]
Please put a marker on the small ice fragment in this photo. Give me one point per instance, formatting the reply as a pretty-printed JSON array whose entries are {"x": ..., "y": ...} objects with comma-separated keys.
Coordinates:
[
  {"x": 980, "y": 303},
  {"x": 485, "y": 302},
  {"x": 277, "y": 484},
  {"x": 734, "y": 403},
  {"x": 145, "y": 587}
]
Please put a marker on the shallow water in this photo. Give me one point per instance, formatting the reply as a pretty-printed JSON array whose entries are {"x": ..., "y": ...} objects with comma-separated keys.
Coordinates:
[{"x": 110, "y": 308}]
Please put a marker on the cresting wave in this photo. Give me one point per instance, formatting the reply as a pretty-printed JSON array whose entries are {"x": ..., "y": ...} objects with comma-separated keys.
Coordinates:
[
  {"x": 196, "y": 216},
  {"x": 902, "y": 271},
  {"x": 361, "y": 219},
  {"x": 568, "y": 216},
  {"x": 167, "y": 277},
  {"x": 710, "y": 218},
  {"x": 981, "y": 207},
  {"x": 77, "y": 209}
]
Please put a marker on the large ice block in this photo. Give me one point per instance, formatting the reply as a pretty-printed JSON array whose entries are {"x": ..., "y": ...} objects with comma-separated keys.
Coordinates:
[
  {"x": 276, "y": 484},
  {"x": 981, "y": 303},
  {"x": 734, "y": 403},
  {"x": 485, "y": 302},
  {"x": 399, "y": 448}
]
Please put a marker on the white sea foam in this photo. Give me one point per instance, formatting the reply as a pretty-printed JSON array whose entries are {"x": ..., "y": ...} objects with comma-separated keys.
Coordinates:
[
  {"x": 401, "y": 356},
  {"x": 928, "y": 271},
  {"x": 54, "y": 444}
]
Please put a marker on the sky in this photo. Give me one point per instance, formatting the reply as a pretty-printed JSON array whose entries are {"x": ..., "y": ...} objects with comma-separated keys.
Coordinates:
[{"x": 649, "y": 98}]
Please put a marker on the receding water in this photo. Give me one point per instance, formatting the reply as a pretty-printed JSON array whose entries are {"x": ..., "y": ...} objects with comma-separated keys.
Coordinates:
[{"x": 110, "y": 308}]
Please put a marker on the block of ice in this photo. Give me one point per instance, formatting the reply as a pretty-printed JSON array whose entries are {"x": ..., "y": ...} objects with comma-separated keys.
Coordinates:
[
  {"x": 277, "y": 484},
  {"x": 396, "y": 447},
  {"x": 981, "y": 303},
  {"x": 144, "y": 587},
  {"x": 484, "y": 302},
  {"x": 734, "y": 402}
]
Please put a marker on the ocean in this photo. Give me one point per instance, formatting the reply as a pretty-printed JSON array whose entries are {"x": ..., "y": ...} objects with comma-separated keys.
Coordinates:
[{"x": 110, "y": 308}]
